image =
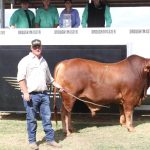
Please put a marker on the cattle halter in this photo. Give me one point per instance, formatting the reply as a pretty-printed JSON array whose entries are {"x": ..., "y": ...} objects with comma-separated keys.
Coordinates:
[{"x": 85, "y": 100}]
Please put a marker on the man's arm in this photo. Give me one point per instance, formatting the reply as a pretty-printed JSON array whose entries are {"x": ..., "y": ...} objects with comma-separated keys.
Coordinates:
[
  {"x": 24, "y": 90},
  {"x": 84, "y": 17},
  {"x": 108, "y": 18},
  {"x": 37, "y": 19},
  {"x": 37, "y": 25},
  {"x": 12, "y": 27},
  {"x": 57, "y": 85},
  {"x": 13, "y": 20},
  {"x": 56, "y": 25},
  {"x": 56, "y": 19},
  {"x": 77, "y": 24},
  {"x": 61, "y": 20}
]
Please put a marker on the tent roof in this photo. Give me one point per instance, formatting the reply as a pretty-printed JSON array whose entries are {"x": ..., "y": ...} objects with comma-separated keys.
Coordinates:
[{"x": 81, "y": 3}]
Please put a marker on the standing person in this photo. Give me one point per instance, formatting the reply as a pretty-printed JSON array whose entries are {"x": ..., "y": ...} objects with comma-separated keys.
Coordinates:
[
  {"x": 96, "y": 14},
  {"x": 22, "y": 17},
  {"x": 69, "y": 17},
  {"x": 47, "y": 16},
  {"x": 33, "y": 76}
]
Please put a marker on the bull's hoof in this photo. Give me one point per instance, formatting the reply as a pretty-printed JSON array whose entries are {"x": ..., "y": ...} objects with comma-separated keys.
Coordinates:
[
  {"x": 131, "y": 129},
  {"x": 122, "y": 121},
  {"x": 72, "y": 130},
  {"x": 123, "y": 125},
  {"x": 68, "y": 134}
]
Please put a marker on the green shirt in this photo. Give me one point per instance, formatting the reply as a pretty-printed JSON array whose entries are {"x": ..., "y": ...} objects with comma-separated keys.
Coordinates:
[
  {"x": 47, "y": 18},
  {"x": 108, "y": 19},
  {"x": 19, "y": 19}
]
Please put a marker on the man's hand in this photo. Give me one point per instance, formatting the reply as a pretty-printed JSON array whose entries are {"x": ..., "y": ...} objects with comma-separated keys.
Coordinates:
[
  {"x": 59, "y": 87},
  {"x": 26, "y": 96},
  {"x": 23, "y": 86},
  {"x": 61, "y": 90}
]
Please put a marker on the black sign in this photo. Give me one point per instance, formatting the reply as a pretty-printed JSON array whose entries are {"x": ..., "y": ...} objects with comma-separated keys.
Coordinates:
[{"x": 10, "y": 95}]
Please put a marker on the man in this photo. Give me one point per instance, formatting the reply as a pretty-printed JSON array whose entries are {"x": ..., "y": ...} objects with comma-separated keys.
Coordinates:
[
  {"x": 22, "y": 17},
  {"x": 69, "y": 17},
  {"x": 33, "y": 77},
  {"x": 47, "y": 16},
  {"x": 96, "y": 14}
]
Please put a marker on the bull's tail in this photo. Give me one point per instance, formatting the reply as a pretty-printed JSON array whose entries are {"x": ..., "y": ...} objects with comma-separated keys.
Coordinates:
[
  {"x": 55, "y": 107},
  {"x": 55, "y": 90}
]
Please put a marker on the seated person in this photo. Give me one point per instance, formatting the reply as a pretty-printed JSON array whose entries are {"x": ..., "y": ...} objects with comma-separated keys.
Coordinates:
[
  {"x": 47, "y": 16},
  {"x": 22, "y": 17},
  {"x": 96, "y": 14},
  {"x": 69, "y": 17}
]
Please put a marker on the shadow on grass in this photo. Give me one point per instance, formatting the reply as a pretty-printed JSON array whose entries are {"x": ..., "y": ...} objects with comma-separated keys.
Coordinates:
[
  {"x": 13, "y": 116},
  {"x": 81, "y": 121},
  {"x": 41, "y": 141},
  {"x": 141, "y": 117}
]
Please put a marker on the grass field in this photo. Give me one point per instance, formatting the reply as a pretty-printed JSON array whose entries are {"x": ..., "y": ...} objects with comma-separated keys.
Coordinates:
[{"x": 102, "y": 132}]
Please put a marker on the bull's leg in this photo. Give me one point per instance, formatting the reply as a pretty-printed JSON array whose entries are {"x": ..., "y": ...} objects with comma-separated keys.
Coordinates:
[
  {"x": 68, "y": 124},
  {"x": 67, "y": 106},
  {"x": 128, "y": 110},
  {"x": 63, "y": 114},
  {"x": 122, "y": 116},
  {"x": 66, "y": 121},
  {"x": 71, "y": 129}
]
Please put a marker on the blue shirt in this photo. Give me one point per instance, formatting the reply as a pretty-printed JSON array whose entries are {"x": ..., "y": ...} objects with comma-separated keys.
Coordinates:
[{"x": 75, "y": 19}]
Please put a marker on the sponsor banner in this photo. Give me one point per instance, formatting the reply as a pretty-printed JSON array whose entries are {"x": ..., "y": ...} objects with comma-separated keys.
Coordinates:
[{"x": 137, "y": 39}]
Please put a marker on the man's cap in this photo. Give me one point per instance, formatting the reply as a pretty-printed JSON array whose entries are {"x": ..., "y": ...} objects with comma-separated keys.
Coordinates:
[
  {"x": 67, "y": 1},
  {"x": 36, "y": 42}
]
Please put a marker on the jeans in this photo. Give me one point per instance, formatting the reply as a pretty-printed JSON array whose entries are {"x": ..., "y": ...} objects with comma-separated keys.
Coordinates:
[{"x": 38, "y": 103}]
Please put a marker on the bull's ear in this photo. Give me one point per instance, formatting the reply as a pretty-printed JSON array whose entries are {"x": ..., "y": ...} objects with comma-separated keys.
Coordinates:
[{"x": 147, "y": 68}]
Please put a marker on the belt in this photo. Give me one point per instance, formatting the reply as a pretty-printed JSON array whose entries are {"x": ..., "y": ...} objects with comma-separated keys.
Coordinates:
[{"x": 38, "y": 92}]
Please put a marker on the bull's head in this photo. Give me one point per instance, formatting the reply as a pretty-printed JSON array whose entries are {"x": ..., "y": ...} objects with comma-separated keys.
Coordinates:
[{"x": 147, "y": 67}]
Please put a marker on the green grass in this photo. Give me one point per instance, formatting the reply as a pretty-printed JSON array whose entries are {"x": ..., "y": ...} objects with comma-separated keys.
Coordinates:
[{"x": 100, "y": 133}]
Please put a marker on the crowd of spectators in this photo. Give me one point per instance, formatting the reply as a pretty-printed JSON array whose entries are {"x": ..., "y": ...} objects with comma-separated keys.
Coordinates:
[{"x": 95, "y": 14}]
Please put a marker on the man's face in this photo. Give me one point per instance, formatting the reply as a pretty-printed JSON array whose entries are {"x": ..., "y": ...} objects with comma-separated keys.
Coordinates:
[
  {"x": 25, "y": 5},
  {"x": 46, "y": 2},
  {"x": 96, "y": 2},
  {"x": 68, "y": 4},
  {"x": 37, "y": 50}
]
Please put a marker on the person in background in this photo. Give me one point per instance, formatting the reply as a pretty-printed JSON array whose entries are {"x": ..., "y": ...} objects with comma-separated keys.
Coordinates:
[
  {"x": 47, "y": 16},
  {"x": 33, "y": 77},
  {"x": 96, "y": 14},
  {"x": 22, "y": 17},
  {"x": 69, "y": 17}
]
